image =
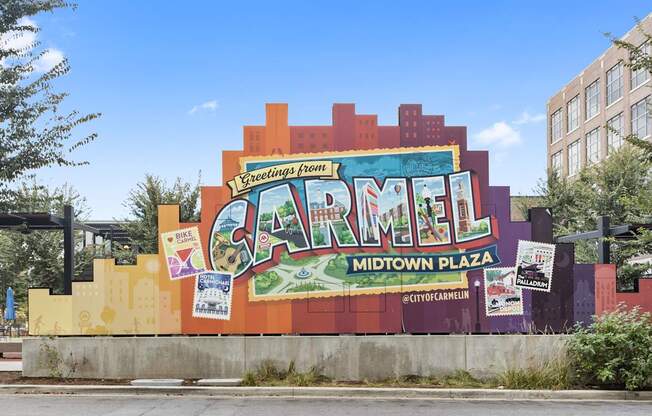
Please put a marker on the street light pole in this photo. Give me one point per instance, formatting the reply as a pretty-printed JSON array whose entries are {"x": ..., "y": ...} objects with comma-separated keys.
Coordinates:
[{"x": 477, "y": 306}]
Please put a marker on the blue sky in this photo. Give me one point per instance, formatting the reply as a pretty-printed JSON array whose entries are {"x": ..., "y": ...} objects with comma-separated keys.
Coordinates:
[{"x": 147, "y": 64}]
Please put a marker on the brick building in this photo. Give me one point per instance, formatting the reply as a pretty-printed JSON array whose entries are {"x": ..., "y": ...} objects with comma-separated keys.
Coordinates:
[{"x": 606, "y": 92}]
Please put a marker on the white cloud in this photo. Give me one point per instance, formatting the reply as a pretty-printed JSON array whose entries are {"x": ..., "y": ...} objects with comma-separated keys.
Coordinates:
[
  {"x": 208, "y": 106},
  {"x": 48, "y": 60},
  {"x": 527, "y": 118},
  {"x": 19, "y": 39},
  {"x": 500, "y": 133}
]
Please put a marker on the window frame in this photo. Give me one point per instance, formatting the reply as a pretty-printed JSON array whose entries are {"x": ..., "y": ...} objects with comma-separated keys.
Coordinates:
[
  {"x": 557, "y": 167},
  {"x": 645, "y": 102},
  {"x": 608, "y": 92},
  {"x": 574, "y": 168},
  {"x": 592, "y": 141},
  {"x": 589, "y": 98},
  {"x": 635, "y": 74},
  {"x": 560, "y": 125},
  {"x": 611, "y": 135},
  {"x": 569, "y": 119}
]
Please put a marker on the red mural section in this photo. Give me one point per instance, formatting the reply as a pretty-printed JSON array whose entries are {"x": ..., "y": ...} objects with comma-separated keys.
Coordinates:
[{"x": 607, "y": 297}]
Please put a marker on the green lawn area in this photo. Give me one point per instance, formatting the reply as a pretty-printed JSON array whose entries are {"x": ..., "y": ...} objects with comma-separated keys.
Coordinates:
[
  {"x": 307, "y": 287},
  {"x": 286, "y": 259},
  {"x": 265, "y": 282}
]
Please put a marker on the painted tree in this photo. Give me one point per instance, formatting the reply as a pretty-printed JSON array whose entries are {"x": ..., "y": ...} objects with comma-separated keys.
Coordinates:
[{"x": 34, "y": 131}]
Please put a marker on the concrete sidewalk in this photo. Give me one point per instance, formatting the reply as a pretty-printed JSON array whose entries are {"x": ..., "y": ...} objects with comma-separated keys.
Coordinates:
[
  {"x": 11, "y": 365},
  {"x": 333, "y": 392}
]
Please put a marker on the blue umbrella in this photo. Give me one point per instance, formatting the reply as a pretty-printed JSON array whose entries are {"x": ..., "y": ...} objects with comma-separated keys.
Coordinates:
[{"x": 10, "y": 312}]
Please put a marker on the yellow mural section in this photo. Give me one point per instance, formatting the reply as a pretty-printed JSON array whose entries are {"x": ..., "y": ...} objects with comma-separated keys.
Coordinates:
[
  {"x": 125, "y": 299},
  {"x": 49, "y": 315}
]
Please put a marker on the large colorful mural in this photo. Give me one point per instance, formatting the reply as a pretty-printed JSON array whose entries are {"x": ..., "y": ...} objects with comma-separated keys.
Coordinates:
[
  {"x": 346, "y": 228},
  {"x": 365, "y": 229}
]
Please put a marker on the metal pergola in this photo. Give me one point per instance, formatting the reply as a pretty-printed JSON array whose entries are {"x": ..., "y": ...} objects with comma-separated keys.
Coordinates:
[
  {"x": 41, "y": 221},
  {"x": 619, "y": 232}
]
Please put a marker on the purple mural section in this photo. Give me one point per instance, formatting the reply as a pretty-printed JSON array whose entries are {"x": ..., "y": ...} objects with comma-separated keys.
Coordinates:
[
  {"x": 583, "y": 292},
  {"x": 468, "y": 315}
]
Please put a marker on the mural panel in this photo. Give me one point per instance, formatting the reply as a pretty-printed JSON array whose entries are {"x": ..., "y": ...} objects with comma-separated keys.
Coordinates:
[{"x": 347, "y": 228}]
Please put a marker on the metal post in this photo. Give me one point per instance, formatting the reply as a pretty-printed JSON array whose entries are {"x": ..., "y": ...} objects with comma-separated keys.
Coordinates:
[
  {"x": 477, "y": 308},
  {"x": 541, "y": 224},
  {"x": 604, "y": 255},
  {"x": 68, "y": 249}
]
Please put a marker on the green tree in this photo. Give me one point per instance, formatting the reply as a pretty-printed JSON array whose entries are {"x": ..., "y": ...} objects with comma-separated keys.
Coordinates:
[
  {"x": 34, "y": 132},
  {"x": 35, "y": 258},
  {"x": 639, "y": 59},
  {"x": 619, "y": 187},
  {"x": 319, "y": 238},
  {"x": 143, "y": 202}
]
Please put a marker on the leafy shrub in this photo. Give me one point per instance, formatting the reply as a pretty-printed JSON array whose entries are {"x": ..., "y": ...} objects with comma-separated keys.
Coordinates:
[{"x": 615, "y": 350}]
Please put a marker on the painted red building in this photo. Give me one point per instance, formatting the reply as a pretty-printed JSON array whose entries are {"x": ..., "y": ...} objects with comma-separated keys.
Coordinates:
[
  {"x": 321, "y": 213},
  {"x": 348, "y": 131}
]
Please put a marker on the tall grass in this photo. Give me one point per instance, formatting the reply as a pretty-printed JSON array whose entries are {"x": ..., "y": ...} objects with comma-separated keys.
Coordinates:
[
  {"x": 269, "y": 375},
  {"x": 553, "y": 375}
]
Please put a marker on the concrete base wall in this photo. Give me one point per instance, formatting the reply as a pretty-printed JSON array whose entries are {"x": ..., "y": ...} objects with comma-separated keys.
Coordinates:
[{"x": 339, "y": 357}]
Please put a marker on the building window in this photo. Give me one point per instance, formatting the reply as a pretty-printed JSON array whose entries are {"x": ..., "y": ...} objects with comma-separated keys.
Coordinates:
[
  {"x": 592, "y": 97},
  {"x": 574, "y": 158},
  {"x": 614, "y": 83},
  {"x": 593, "y": 146},
  {"x": 573, "y": 110},
  {"x": 641, "y": 118},
  {"x": 615, "y": 132},
  {"x": 640, "y": 75},
  {"x": 555, "y": 125},
  {"x": 556, "y": 163}
]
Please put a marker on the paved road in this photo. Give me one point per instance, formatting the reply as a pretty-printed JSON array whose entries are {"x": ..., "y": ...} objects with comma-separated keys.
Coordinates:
[{"x": 26, "y": 405}]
